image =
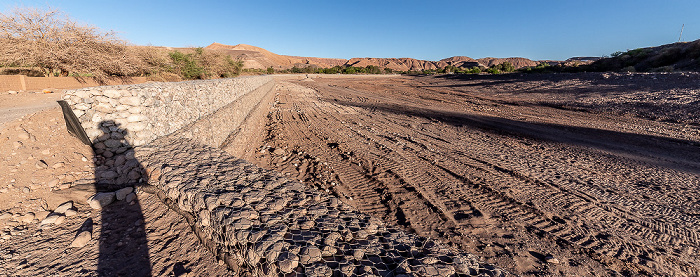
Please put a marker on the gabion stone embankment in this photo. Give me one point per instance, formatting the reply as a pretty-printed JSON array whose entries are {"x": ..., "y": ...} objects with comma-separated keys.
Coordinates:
[{"x": 261, "y": 224}]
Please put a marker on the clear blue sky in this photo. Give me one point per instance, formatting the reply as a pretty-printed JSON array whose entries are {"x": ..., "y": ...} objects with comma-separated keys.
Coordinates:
[{"x": 430, "y": 30}]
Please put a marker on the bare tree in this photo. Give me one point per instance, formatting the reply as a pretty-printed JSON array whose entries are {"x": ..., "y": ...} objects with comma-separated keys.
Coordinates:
[{"x": 50, "y": 40}]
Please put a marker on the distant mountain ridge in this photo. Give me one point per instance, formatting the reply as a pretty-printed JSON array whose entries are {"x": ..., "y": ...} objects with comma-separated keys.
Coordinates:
[{"x": 259, "y": 58}]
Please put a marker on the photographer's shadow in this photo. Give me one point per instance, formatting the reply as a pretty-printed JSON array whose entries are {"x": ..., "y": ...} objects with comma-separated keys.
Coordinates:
[{"x": 122, "y": 239}]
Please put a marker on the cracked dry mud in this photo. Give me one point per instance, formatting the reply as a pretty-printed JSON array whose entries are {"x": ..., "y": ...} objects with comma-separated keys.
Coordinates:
[{"x": 584, "y": 175}]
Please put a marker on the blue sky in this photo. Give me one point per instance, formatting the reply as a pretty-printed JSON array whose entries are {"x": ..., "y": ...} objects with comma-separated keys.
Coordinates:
[{"x": 429, "y": 30}]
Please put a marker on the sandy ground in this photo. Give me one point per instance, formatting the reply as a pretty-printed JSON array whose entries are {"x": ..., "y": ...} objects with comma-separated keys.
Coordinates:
[
  {"x": 41, "y": 167},
  {"x": 543, "y": 175},
  {"x": 14, "y": 106}
]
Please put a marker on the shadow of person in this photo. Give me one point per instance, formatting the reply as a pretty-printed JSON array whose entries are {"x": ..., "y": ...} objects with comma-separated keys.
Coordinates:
[{"x": 123, "y": 243}]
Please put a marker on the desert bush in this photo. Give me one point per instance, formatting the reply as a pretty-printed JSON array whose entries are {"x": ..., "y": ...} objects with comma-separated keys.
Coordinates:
[
  {"x": 59, "y": 46},
  {"x": 502, "y": 67},
  {"x": 186, "y": 66},
  {"x": 270, "y": 70}
]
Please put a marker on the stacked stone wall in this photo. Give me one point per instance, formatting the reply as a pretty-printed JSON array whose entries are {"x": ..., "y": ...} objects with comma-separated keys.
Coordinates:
[{"x": 260, "y": 223}]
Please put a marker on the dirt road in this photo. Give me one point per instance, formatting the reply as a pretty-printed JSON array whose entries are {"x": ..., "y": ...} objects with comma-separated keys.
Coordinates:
[
  {"x": 13, "y": 106},
  {"x": 583, "y": 175}
]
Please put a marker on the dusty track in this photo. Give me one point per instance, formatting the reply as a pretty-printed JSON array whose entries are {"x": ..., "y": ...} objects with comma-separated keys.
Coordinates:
[{"x": 598, "y": 171}]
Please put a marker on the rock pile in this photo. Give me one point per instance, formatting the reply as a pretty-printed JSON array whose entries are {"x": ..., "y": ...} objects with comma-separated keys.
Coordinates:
[{"x": 260, "y": 223}]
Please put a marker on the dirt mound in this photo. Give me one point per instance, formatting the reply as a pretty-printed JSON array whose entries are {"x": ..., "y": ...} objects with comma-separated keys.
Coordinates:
[{"x": 670, "y": 57}]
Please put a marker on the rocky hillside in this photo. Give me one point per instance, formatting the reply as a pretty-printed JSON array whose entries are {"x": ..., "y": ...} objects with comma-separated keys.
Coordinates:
[
  {"x": 256, "y": 57},
  {"x": 669, "y": 57}
]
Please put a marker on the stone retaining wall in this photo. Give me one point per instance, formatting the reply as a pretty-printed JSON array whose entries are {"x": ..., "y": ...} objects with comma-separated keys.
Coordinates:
[
  {"x": 260, "y": 223},
  {"x": 118, "y": 118}
]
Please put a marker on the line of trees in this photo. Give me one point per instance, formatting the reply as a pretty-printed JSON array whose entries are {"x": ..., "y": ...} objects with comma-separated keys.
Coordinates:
[{"x": 54, "y": 44}]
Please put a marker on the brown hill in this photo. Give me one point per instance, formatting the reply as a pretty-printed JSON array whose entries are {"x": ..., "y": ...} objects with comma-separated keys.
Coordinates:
[
  {"x": 517, "y": 62},
  {"x": 683, "y": 56},
  {"x": 397, "y": 64},
  {"x": 256, "y": 57}
]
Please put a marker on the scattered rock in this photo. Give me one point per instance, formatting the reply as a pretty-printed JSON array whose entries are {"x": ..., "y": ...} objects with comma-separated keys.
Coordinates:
[
  {"x": 100, "y": 200},
  {"x": 310, "y": 255},
  {"x": 551, "y": 259},
  {"x": 27, "y": 218},
  {"x": 53, "y": 182},
  {"x": 71, "y": 212},
  {"x": 61, "y": 209},
  {"x": 287, "y": 262},
  {"x": 26, "y": 190},
  {"x": 122, "y": 193},
  {"x": 50, "y": 219},
  {"x": 11, "y": 92},
  {"x": 40, "y": 215},
  {"x": 23, "y": 135},
  {"x": 57, "y": 165},
  {"x": 41, "y": 164},
  {"x": 82, "y": 239},
  {"x": 278, "y": 151},
  {"x": 5, "y": 216},
  {"x": 17, "y": 144},
  {"x": 130, "y": 197}
]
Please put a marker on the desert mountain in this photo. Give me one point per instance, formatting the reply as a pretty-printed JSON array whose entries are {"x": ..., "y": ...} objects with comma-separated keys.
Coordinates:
[{"x": 256, "y": 57}]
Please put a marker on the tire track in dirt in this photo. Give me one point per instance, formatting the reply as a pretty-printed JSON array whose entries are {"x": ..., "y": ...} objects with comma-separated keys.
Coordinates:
[{"x": 513, "y": 199}]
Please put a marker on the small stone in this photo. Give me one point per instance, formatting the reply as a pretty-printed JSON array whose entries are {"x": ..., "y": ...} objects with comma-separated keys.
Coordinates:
[
  {"x": 278, "y": 151},
  {"x": 17, "y": 144},
  {"x": 41, "y": 164},
  {"x": 3, "y": 190},
  {"x": 134, "y": 174},
  {"x": 82, "y": 239},
  {"x": 309, "y": 255},
  {"x": 71, "y": 212},
  {"x": 122, "y": 193},
  {"x": 287, "y": 262},
  {"x": 136, "y": 118},
  {"x": 11, "y": 92},
  {"x": 61, "y": 209},
  {"x": 53, "y": 182},
  {"x": 50, "y": 219},
  {"x": 551, "y": 259},
  {"x": 111, "y": 143},
  {"x": 5, "y": 216},
  {"x": 100, "y": 200},
  {"x": 60, "y": 220},
  {"x": 358, "y": 254},
  {"x": 138, "y": 222},
  {"x": 132, "y": 101},
  {"x": 40, "y": 215},
  {"x": 26, "y": 189},
  {"x": 112, "y": 93},
  {"x": 27, "y": 218},
  {"x": 109, "y": 175},
  {"x": 46, "y": 152},
  {"x": 130, "y": 197},
  {"x": 57, "y": 165},
  {"x": 23, "y": 135}
]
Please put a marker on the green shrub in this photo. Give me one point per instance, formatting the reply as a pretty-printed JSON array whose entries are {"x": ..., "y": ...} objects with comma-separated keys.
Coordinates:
[{"x": 186, "y": 66}]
